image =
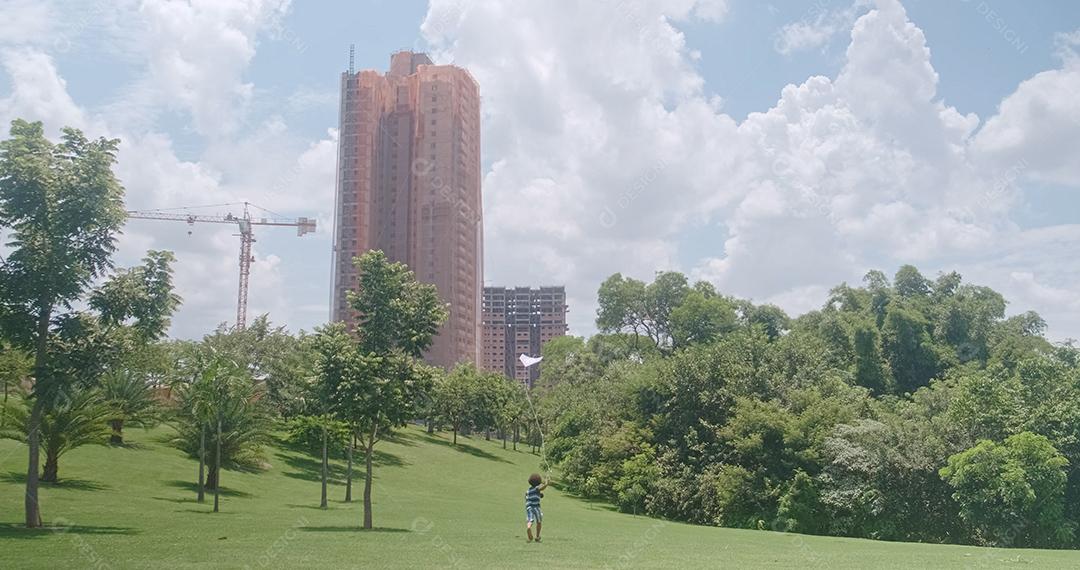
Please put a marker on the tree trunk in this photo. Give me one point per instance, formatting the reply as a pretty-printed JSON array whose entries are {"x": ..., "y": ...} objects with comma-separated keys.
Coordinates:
[
  {"x": 117, "y": 437},
  {"x": 430, "y": 422},
  {"x": 455, "y": 435},
  {"x": 202, "y": 463},
  {"x": 515, "y": 437},
  {"x": 487, "y": 434},
  {"x": 52, "y": 465},
  {"x": 367, "y": 483},
  {"x": 504, "y": 438},
  {"x": 33, "y": 441},
  {"x": 322, "y": 503},
  {"x": 211, "y": 477},
  {"x": 348, "y": 471},
  {"x": 217, "y": 468}
]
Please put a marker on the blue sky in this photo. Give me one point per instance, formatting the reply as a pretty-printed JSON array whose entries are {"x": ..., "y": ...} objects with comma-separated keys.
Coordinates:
[{"x": 773, "y": 148}]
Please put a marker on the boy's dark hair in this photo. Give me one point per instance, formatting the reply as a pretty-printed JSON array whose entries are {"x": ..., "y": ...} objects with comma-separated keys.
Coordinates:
[{"x": 534, "y": 480}]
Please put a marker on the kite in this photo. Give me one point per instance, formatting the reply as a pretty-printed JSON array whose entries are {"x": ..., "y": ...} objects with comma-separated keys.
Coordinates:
[{"x": 528, "y": 361}]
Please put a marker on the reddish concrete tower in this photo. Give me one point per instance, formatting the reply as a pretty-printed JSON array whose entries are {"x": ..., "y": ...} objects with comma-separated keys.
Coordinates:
[{"x": 409, "y": 184}]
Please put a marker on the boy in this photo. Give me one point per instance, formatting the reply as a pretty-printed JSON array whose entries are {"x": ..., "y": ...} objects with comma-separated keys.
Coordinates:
[{"x": 532, "y": 505}]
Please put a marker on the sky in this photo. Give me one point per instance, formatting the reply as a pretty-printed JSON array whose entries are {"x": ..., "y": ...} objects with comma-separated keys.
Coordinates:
[{"x": 775, "y": 149}]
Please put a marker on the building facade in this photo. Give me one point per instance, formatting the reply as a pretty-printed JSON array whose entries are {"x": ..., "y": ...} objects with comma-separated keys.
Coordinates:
[
  {"x": 409, "y": 184},
  {"x": 519, "y": 320}
]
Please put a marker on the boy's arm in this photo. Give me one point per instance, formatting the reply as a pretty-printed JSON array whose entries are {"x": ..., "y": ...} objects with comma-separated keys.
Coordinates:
[{"x": 542, "y": 487}]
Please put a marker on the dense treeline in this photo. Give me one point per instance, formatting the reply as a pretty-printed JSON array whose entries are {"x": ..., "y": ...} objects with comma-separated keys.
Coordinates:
[{"x": 909, "y": 409}]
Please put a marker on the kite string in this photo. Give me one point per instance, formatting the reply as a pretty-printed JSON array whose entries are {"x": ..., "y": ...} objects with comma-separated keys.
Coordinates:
[{"x": 539, "y": 430}]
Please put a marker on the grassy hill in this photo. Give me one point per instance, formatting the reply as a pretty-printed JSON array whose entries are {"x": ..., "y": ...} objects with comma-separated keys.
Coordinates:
[{"x": 435, "y": 506}]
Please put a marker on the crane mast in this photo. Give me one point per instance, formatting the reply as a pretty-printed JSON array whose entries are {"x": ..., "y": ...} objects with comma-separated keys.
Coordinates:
[{"x": 244, "y": 223}]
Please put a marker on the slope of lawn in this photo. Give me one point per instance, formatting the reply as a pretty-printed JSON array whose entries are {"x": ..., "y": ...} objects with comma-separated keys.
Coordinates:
[{"x": 435, "y": 506}]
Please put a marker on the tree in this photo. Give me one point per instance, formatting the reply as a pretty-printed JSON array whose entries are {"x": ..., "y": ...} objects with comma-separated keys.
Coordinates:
[
  {"x": 512, "y": 407},
  {"x": 15, "y": 366},
  {"x": 701, "y": 318},
  {"x": 629, "y": 305},
  {"x": 453, "y": 397},
  {"x": 220, "y": 400},
  {"x": 1012, "y": 494},
  {"x": 323, "y": 435},
  {"x": 63, "y": 206},
  {"x": 67, "y": 424},
  {"x": 279, "y": 361},
  {"x": 130, "y": 400},
  {"x": 908, "y": 348},
  {"x": 375, "y": 380},
  {"x": 772, "y": 319},
  {"x": 800, "y": 507}
]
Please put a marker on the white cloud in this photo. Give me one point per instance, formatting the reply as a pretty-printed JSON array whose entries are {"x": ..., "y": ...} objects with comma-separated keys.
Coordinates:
[
  {"x": 194, "y": 55},
  {"x": 818, "y": 27},
  {"x": 605, "y": 151},
  {"x": 26, "y": 22},
  {"x": 194, "y": 58},
  {"x": 38, "y": 91},
  {"x": 1037, "y": 127}
]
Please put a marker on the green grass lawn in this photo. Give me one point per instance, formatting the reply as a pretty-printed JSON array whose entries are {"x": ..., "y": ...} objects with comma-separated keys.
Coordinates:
[{"x": 435, "y": 506}]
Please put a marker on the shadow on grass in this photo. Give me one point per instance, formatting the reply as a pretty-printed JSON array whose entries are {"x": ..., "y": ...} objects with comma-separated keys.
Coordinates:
[
  {"x": 194, "y": 488},
  {"x": 18, "y": 530},
  {"x": 64, "y": 483},
  {"x": 176, "y": 500},
  {"x": 309, "y": 468},
  {"x": 462, "y": 447},
  {"x": 129, "y": 445},
  {"x": 356, "y": 528}
]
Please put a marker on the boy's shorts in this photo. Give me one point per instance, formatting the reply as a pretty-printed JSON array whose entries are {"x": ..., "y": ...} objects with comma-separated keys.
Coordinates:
[{"x": 533, "y": 514}]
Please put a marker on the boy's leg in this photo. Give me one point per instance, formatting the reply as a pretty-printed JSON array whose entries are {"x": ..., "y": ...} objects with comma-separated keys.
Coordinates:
[
  {"x": 528, "y": 530},
  {"x": 538, "y": 525}
]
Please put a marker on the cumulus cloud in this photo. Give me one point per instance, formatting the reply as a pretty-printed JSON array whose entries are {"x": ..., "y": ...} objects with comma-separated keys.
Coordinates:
[
  {"x": 612, "y": 148},
  {"x": 818, "y": 27},
  {"x": 604, "y": 151},
  {"x": 193, "y": 55},
  {"x": 1037, "y": 126},
  {"x": 193, "y": 58}
]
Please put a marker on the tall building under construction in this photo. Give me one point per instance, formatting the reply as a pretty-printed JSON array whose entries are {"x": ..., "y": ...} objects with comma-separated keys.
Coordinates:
[
  {"x": 409, "y": 184},
  {"x": 519, "y": 320}
]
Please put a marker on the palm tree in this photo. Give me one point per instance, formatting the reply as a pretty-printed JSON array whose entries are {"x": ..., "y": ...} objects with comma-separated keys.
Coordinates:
[
  {"x": 131, "y": 401},
  {"x": 67, "y": 423},
  {"x": 222, "y": 399}
]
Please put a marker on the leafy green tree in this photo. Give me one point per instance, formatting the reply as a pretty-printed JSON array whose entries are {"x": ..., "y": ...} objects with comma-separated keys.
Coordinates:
[
  {"x": 870, "y": 368},
  {"x": 63, "y": 207},
  {"x": 567, "y": 359},
  {"x": 328, "y": 435},
  {"x": 800, "y": 508},
  {"x": 15, "y": 366},
  {"x": 513, "y": 409},
  {"x": 629, "y": 305},
  {"x": 277, "y": 360},
  {"x": 908, "y": 348},
  {"x": 1012, "y": 494},
  {"x": 700, "y": 318},
  {"x": 772, "y": 319},
  {"x": 376, "y": 381},
  {"x": 453, "y": 397},
  {"x": 908, "y": 282}
]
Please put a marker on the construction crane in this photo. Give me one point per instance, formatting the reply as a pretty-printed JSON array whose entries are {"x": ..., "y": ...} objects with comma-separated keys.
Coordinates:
[{"x": 245, "y": 221}]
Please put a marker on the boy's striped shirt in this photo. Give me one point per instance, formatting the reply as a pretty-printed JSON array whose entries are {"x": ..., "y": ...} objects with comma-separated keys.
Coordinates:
[{"x": 532, "y": 497}]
